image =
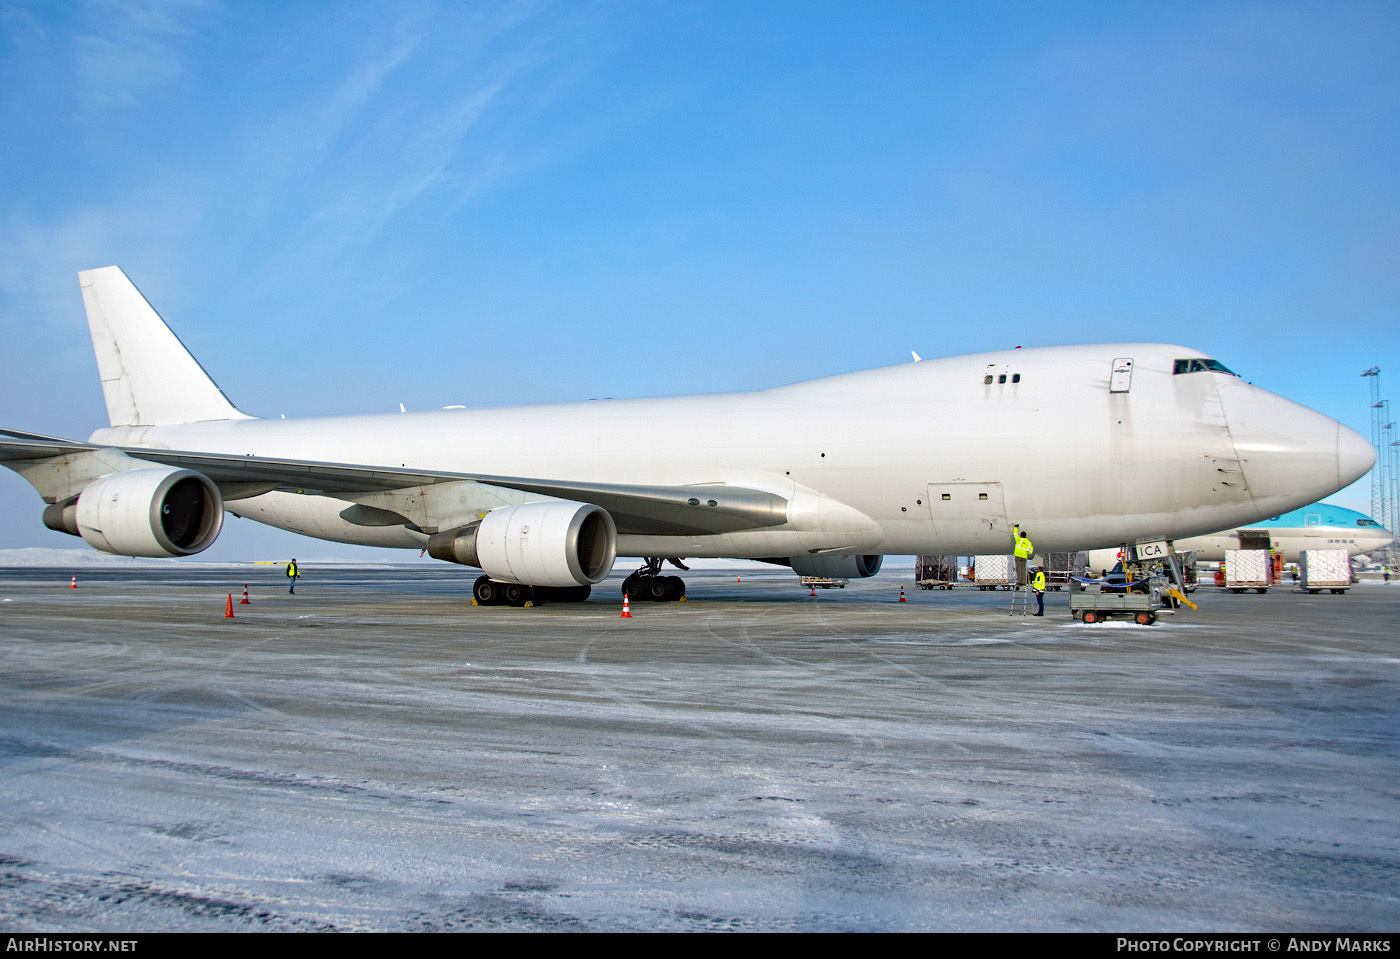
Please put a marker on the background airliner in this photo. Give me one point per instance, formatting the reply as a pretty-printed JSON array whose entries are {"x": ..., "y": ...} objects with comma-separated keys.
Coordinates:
[
  {"x": 1319, "y": 526},
  {"x": 1083, "y": 446}
]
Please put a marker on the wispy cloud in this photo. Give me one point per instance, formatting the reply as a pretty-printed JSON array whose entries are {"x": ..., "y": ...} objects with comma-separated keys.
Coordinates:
[
  {"x": 428, "y": 106},
  {"x": 132, "y": 49}
]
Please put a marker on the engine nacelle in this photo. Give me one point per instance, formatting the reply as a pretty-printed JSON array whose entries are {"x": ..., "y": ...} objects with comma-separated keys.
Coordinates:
[
  {"x": 159, "y": 512},
  {"x": 830, "y": 566},
  {"x": 538, "y": 544}
]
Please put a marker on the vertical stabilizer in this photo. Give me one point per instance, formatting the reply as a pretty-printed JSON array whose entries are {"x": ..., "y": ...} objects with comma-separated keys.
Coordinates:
[{"x": 148, "y": 377}]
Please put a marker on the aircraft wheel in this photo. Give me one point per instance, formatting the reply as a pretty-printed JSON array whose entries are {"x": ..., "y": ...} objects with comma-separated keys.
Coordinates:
[
  {"x": 632, "y": 587},
  {"x": 486, "y": 591},
  {"x": 515, "y": 594},
  {"x": 1090, "y": 616},
  {"x": 677, "y": 588},
  {"x": 658, "y": 589}
]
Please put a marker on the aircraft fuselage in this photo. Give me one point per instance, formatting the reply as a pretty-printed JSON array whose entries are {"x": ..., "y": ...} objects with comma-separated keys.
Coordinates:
[{"x": 940, "y": 456}]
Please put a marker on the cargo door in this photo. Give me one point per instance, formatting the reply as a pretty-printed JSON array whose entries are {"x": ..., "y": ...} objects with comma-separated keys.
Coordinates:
[
  {"x": 969, "y": 518},
  {"x": 1255, "y": 539}
]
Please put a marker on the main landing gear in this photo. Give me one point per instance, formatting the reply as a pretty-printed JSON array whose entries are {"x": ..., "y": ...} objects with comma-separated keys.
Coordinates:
[
  {"x": 647, "y": 583},
  {"x": 491, "y": 592}
]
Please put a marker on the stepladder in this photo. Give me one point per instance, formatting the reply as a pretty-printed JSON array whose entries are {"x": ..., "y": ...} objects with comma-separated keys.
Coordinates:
[{"x": 1020, "y": 600}]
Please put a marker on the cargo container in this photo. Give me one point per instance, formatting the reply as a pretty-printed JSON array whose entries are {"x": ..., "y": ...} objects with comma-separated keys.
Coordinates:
[
  {"x": 1060, "y": 568},
  {"x": 1247, "y": 569},
  {"x": 994, "y": 570},
  {"x": 935, "y": 572},
  {"x": 1325, "y": 569}
]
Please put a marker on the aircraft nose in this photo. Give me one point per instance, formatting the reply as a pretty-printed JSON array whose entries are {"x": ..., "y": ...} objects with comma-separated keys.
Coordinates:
[
  {"x": 1290, "y": 455},
  {"x": 1355, "y": 455}
]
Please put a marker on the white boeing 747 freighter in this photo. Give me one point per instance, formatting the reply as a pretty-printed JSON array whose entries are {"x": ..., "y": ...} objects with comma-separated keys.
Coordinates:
[{"x": 1082, "y": 446}]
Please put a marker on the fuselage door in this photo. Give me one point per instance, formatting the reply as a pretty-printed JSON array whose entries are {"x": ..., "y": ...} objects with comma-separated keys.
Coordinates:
[
  {"x": 969, "y": 517},
  {"x": 1255, "y": 539},
  {"x": 1122, "y": 377}
]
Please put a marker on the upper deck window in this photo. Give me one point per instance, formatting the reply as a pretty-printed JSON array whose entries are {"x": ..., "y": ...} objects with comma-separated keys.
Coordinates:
[{"x": 1202, "y": 366}]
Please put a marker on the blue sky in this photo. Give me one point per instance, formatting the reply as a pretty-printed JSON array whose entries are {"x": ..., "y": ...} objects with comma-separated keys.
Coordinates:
[{"x": 341, "y": 207}]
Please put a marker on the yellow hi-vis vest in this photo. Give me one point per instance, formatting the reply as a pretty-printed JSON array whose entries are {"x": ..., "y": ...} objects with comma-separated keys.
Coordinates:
[
  {"x": 1024, "y": 550},
  {"x": 1038, "y": 584}
]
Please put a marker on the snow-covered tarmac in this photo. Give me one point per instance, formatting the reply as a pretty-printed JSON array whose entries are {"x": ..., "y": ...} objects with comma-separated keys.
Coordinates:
[{"x": 375, "y": 753}]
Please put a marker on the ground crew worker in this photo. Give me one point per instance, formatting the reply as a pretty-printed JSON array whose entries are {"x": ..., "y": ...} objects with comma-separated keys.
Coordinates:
[
  {"x": 293, "y": 571},
  {"x": 1023, "y": 550},
  {"x": 1038, "y": 584}
]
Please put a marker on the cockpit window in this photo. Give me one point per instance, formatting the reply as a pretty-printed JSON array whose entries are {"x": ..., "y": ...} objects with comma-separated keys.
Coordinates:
[
  {"x": 1366, "y": 522},
  {"x": 1201, "y": 365}
]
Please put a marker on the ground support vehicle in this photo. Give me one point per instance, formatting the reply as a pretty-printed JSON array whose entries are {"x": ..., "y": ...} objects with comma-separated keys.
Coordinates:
[
  {"x": 824, "y": 582},
  {"x": 1092, "y": 607},
  {"x": 1142, "y": 603}
]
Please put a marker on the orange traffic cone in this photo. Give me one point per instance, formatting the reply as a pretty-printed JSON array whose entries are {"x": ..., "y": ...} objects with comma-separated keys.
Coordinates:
[
  {"x": 626, "y": 609},
  {"x": 901, "y": 595},
  {"x": 228, "y": 610},
  {"x": 74, "y": 583},
  {"x": 814, "y": 590},
  {"x": 244, "y": 600}
]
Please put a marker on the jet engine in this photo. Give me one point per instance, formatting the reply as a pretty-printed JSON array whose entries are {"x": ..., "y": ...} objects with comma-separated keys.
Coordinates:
[
  {"x": 158, "y": 512},
  {"x": 558, "y": 543},
  {"x": 830, "y": 566}
]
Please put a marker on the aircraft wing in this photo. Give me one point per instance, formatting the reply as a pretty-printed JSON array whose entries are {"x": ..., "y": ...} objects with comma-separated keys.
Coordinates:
[
  {"x": 648, "y": 510},
  {"x": 15, "y": 445}
]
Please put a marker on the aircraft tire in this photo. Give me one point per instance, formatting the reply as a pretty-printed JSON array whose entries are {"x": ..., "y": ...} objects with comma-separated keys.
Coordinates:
[
  {"x": 486, "y": 591},
  {"x": 515, "y": 594},
  {"x": 677, "y": 588},
  {"x": 658, "y": 589}
]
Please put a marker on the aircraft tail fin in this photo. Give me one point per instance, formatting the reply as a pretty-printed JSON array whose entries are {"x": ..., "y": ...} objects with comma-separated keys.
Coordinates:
[{"x": 148, "y": 376}]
